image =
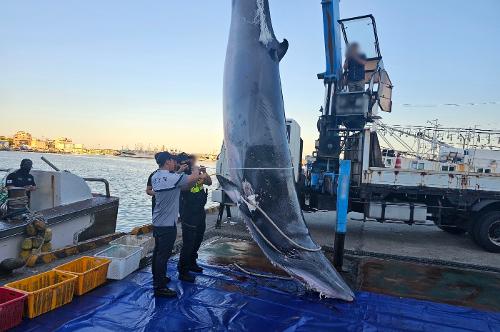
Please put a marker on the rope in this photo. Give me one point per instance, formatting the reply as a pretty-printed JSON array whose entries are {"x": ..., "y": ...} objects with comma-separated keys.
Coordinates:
[
  {"x": 261, "y": 275},
  {"x": 278, "y": 229},
  {"x": 262, "y": 168}
]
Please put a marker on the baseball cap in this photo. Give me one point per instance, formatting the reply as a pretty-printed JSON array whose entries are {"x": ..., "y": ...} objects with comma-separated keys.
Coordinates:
[
  {"x": 162, "y": 157},
  {"x": 182, "y": 157},
  {"x": 26, "y": 164}
]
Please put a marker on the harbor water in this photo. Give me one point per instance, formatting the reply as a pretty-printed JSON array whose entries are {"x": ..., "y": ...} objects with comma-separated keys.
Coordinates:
[{"x": 127, "y": 178}]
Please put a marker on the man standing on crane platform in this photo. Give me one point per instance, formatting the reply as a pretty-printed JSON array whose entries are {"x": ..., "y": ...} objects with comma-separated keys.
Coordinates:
[{"x": 354, "y": 68}]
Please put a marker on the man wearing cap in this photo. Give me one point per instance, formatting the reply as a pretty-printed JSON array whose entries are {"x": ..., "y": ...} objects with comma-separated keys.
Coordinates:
[
  {"x": 167, "y": 185},
  {"x": 22, "y": 178}
]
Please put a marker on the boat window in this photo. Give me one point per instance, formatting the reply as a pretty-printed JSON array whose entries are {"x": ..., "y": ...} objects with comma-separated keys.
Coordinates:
[{"x": 421, "y": 166}]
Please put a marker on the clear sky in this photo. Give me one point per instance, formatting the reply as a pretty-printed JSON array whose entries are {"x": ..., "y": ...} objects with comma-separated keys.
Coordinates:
[{"x": 118, "y": 72}]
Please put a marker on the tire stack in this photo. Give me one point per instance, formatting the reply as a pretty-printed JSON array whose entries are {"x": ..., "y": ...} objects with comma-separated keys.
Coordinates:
[{"x": 38, "y": 239}]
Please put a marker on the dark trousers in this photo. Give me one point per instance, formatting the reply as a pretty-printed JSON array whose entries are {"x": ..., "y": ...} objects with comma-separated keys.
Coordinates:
[
  {"x": 221, "y": 212},
  {"x": 164, "y": 243},
  {"x": 193, "y": 231}
]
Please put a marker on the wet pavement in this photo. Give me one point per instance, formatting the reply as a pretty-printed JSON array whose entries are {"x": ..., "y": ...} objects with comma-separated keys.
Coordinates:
[
  {"x": 425, "y": 243},
  {"x": 476, "y": 289}
]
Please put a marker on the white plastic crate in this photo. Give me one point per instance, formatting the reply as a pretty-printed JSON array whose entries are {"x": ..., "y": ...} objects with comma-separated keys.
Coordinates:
[
  {"x": 147, "y": 243},
  {"x": 124, "y": 260}
]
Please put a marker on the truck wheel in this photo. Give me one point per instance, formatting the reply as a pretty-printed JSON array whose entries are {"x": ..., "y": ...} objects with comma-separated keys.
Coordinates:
[
  {"x": 452, "y": 230},
  {"x": 486, "y": 231}
]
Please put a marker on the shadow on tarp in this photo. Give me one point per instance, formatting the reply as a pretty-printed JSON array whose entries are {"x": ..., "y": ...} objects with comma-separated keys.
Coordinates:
[{"x": 227, "y": 300}]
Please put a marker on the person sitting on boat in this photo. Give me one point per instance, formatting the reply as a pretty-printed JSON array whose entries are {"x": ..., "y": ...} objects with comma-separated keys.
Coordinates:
[
  {"x": 192, "y": 216},
  {"x": 167, "y": 184},
  {"x": 22, "y": 178},
  {"x": 354, "y": 68}
]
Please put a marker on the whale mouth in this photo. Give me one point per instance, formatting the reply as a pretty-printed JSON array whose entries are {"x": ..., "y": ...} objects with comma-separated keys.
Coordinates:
[{"x": 323, "y": 288}]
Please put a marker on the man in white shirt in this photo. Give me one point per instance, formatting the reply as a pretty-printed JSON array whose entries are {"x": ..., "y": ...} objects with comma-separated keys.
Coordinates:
[{"x": 166, "y": 184}]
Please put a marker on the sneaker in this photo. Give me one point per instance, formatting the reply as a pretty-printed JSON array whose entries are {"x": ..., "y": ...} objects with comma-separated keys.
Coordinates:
[
  {"x": 165, "y": 292},
  {"x": 196, "y": 268},
  {"x": 186, "y": 276}
]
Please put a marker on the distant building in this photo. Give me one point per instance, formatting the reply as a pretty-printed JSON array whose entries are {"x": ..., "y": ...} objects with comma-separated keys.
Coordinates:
[
  {"x": 78, "y": 148},
  {"x": 63, "y": 144},
  {"x": 39, "y": 144},
  {"x": 21, "y": 138},
  {"x": 4, "y": 144}
]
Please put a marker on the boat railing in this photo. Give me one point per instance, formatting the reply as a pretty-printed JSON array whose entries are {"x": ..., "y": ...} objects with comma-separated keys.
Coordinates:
[{"x": 106, "y": 183}]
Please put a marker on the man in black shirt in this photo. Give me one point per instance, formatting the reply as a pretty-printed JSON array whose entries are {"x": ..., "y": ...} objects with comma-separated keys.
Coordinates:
[
  {"x": 150, "y": 191},
  {"x": 192, "y": 215},
  {"x": 22, "y": 178},
  {"x": 354, "y": 67}
]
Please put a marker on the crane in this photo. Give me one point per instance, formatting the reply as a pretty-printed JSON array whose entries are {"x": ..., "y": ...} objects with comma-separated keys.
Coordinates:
[{"x": 345, "y": 115}]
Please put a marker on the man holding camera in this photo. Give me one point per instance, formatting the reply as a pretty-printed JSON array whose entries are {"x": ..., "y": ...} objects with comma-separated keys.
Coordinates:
[
  {"x": 167, "y": 184},
  {"x": 192, "y": 215}
]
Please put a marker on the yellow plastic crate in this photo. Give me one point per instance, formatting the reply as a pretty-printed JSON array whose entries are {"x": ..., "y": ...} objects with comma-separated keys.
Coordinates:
[
  {"x": 91, "y": 272},
  {"x": 46, "y": 291}
]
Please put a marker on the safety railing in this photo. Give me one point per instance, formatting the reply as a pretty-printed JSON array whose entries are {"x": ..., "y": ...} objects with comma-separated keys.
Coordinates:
[{"x": 106, "y": 183}]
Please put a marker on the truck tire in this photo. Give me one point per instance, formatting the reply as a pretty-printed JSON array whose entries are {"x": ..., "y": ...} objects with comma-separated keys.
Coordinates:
[{"x": 486, "y": 231}]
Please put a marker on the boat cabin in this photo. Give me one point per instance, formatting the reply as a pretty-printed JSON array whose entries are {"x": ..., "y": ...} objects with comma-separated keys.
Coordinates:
[{"x": 69, "y": 207}]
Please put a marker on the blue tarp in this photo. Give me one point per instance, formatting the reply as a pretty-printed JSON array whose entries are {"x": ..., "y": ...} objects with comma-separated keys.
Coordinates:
[{"x": 226, "y": 300}]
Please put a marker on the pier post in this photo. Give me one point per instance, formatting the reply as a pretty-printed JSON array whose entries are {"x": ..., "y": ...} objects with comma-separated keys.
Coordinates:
[{"x": 342, "y": 207}]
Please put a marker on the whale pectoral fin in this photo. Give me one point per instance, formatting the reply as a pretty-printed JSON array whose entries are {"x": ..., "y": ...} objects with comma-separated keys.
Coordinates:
[
  {"x": 230, "y": 188},
  {"x": 277, "y": 53},
  {"x": 283, "y": 47}
]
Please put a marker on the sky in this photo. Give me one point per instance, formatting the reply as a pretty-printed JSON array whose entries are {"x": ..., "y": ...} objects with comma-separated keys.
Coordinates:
[{"x": 120, "y": 72}]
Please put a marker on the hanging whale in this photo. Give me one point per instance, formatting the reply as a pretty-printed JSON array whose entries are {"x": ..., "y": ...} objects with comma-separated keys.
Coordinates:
[{"x": 261, "y": 174}]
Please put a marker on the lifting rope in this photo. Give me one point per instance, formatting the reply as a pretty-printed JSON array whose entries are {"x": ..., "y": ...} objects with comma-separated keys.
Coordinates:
[
  {"x": 278, "y": 229},
  {"x": 261, "y": 274}
]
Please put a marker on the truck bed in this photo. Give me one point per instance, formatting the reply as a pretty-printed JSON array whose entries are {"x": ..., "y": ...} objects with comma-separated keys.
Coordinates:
[{"x": 432, "y": 179}]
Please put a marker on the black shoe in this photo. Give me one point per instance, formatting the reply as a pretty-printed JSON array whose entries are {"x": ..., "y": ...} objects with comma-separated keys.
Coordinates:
[
  {"x": 186, "y": 276},
  {"x": 196, "y": 268},
  {"x": 165, "y": 292}
]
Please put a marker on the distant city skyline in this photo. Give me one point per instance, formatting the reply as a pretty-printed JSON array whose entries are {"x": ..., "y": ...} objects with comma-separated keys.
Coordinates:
[
  {"x": 21, "y": 139},
  {"x": 117, "y": 73}
]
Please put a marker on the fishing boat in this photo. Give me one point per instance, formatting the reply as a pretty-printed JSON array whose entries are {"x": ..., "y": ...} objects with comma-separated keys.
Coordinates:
[{"x": 68, "y": 206}]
